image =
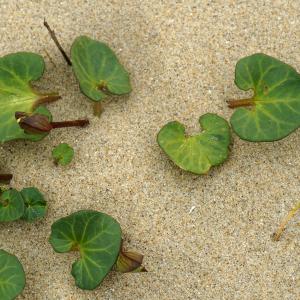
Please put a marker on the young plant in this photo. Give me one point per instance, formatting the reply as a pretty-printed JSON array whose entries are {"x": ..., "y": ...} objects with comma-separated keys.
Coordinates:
[
  {"x": 17, "y": 71},
  {"x": 281, "y": 228},
  {"x": 63, "y": 154},
  {"x": 12, "y": 276},
  {"x": 274, "y": 110},
  {"x": 97, "y": 237},
  {"x": 198, "y": 153},
  {"x": 97, "y": 68},
  {"x": 29, "y": 204}
]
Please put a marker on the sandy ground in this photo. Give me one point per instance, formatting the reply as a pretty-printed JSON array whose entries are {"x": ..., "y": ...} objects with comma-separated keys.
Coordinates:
[{"x": 181, "y": 56}]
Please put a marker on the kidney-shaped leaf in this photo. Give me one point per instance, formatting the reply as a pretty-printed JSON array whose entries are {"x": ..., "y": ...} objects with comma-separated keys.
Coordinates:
[
  {"x": 12, "y": 276},
  {"x": 98, "y": 69},
  {"x": 274, "y": 110},
  {"x": 63, "y": 154},
  {"x": 17, "y": 70},
  {"x": 96, "y": 236},
  {"x": 35, "y": 204},
  {"x": 11, "y": 205},
  {"x": 196, "y": 153}
]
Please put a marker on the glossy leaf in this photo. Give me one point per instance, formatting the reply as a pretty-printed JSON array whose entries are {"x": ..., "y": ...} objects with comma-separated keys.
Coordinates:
[
  {"x": 35, "y": 204},
  {"x": 11, "y": 205},
  {"x": 198, "y": 153},
  {"x": 63, "y": 154},
  {"x": 96, "y": 236},
  {"x": 16, "y": 94},
  {"x": 274, "y": 110},
  {"x": 98, "y": 69},
  {"x": 12, "y": 276}
]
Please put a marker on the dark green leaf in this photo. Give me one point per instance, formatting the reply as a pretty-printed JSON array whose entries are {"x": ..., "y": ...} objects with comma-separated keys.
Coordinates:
[
  {"x": 63, "y": 154},
  {"x": 35, "y": 204},
  {"x": 11, "y": 205},
  {"x": 274, "y": 110},
  {"x": 98, "y": 70},
  {"x": 12, "y": 276},
  {"x": 16, "y": 94},
  {"x": 96, "y": 236},
  {"x": 197, "y": 153}
]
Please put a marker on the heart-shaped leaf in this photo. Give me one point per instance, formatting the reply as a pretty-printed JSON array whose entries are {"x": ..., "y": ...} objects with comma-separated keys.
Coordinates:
[
  {"x": 274, "y": 110},
  {"x": 197, "y": 153},
  {"x": 63, "y": 154},
  {"x": 17, "y": 95},
  {"x": 11, "y": 205},
  {"x": 35, "y": 204},
  {"x": 12, "y": 276},
  {"x": 96, "y": 236},
  {"x": 98, "y": 69}
]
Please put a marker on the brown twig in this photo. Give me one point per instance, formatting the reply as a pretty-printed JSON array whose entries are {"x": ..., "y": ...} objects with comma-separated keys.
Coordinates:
[
  {"x": 281, "y": 228},
  {"x": 58, "y": 45}
]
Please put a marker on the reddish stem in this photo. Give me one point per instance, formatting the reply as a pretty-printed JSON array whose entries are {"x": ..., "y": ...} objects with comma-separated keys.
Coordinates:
[
  {"x": 5, "y": 178},
  {"x": 240, "y": 103},
  {"x": 76, "y": 123}
]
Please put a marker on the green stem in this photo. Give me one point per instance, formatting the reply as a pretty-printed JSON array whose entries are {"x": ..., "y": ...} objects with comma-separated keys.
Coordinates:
[
  {"x": 47, "y": 98},
  {"x": 240, "y": 103},
  {"x": 98, "y": 109},
  {"x": 283, "y": 224}
]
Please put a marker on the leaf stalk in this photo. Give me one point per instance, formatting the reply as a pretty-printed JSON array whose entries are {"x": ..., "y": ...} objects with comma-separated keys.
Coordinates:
[{"x": 240, "y": 103}]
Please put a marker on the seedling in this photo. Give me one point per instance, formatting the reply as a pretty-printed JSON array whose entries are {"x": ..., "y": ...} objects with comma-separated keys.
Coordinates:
[
  {"x": 97, "y": 68},
  {"x": 12, "y": 276},
  {"x": 5, "y": 178},
  {"x": 285, "y": 221},
  {"x": 63, "y": 154},
  {"x": 274, "y": 110},
  {"x": 198, "y": 153},
  {"x": 29, "y": 204},
  {"x": 97, "y": 237}
]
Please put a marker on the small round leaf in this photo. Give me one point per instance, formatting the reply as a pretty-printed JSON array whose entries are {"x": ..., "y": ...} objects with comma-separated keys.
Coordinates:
[
  {"x": 35, "y": 204},
  {"x": 96, "y": 236},
  {"x": 63, "y": 154},
  {"x": 11, "y": 205},
  {"x": 98, "y": 69},
  {"x": 197, "y": 153},
  {"x": 12, "y": 276}
]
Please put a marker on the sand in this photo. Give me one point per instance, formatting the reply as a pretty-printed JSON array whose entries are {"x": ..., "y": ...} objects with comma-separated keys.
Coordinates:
[{"x": 181, "y": 56}]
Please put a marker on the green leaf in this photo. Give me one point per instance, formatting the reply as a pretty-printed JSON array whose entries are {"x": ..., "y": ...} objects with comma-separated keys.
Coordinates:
[
  {"x": 96, "y": 236},
  {"x": 12, "y": 276},
  {"x": 35, "y": 204},
  {"x": 98, "y": 69},
  {"x": 274, "y": 110},
  {"x": 63, "y": 154},
  {"x": 197, "y": 153},
  {"x": 11, "y": 206},
  {"x": 16, "y": 94}
]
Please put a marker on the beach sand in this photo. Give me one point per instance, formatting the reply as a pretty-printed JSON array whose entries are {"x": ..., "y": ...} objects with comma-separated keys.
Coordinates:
[{"x": 203, "y": 237}]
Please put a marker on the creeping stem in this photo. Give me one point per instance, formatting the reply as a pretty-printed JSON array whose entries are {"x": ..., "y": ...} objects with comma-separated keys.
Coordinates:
[{"x": 283, "y": 224}]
